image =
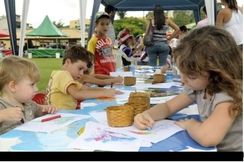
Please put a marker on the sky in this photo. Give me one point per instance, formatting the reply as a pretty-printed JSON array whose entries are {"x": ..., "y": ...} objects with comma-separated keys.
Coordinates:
[{"x": 58, "y": 10}]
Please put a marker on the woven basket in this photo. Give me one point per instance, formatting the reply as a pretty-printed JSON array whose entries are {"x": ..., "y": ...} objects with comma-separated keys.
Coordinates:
[
  {"x": 126, "y": 68},
  {"x": 120, "y": 116},
  {"x": 129, "y": 81},
  {"x": 139, "y": 98},
  {"x": 158, "y": 78},
  {"x": 138, "y": 107}
]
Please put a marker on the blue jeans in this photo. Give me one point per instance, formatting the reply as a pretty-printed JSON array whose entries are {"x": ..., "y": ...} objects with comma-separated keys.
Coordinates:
[{"x": 159, "y": 49}]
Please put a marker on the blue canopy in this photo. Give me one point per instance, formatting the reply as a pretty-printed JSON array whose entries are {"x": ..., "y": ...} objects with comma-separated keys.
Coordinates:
[
  {"x": 148, "y": 5},
  {"x": 140, "y": 5}
]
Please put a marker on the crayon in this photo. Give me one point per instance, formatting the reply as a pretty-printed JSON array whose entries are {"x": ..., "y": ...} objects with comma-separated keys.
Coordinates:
[{"x": 50, "y": 118}]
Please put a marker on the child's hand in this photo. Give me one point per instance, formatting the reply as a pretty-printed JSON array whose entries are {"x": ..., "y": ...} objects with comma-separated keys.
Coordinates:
[
  {"x": 11, "y": 114},
  {"x": 143, "y": 121},
  {"x": 48, "y": 109},
  {"x": 111, "y": 92}
]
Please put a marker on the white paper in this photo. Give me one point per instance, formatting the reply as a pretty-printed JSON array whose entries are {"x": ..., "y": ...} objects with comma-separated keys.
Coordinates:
[
  {"x": 158, "y": 100},
  {"x": 122, "y": 74},
  {"x": 160, "y": 131},
  {"x": 98, "y": 137},
  {"x": 37, "y": 126},
  {"x": 144, "y": 86},
  {"x": 7, "y": 143}
]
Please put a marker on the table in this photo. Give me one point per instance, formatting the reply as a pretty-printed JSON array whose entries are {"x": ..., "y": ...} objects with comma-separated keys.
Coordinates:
[{"x": 59, "y": 139}]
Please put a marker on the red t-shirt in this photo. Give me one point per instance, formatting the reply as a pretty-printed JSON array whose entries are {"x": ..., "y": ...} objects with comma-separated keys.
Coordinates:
[{"x": 101, "y": 47}]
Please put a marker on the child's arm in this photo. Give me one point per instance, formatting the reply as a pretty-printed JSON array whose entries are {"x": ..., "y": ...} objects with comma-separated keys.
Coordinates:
[
  {"x": 86, "y": 93},
  {"x": 11, "y": 114},
  {"x": 101, "y": 79},
  {"x": 161, "y": 111},
  {"x": 211, "y": 131}
]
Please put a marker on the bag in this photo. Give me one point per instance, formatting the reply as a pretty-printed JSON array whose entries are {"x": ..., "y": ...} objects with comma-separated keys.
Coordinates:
[{"x": 147, "y": 40}]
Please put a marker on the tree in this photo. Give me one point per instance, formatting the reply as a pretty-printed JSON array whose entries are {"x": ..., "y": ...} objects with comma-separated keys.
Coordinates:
[
  {"x": 121, "y": 14},
  {"x": 183, "y": 17},
  {"x": 58, "y": 24},
  {"x": 137, "y": 26}
]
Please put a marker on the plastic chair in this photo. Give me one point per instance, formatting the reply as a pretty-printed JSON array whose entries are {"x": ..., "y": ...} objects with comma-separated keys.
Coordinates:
[{"x": 39, "y": 98}]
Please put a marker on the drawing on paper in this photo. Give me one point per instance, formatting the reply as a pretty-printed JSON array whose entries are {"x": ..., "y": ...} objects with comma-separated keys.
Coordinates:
[{"x": 105, "y": 136}]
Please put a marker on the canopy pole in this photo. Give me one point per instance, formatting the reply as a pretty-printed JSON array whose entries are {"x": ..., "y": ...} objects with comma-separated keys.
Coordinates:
[
  {"x": 23, "y": 27},
  {"x": 82, "y": 21}
]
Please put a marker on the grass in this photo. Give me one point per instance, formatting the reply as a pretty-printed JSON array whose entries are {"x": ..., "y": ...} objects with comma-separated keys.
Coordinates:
[{"x": 46, "y": 66}]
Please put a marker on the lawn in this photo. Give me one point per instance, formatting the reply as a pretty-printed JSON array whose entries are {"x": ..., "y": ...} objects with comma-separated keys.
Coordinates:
[{"x": 46, "y": 66}]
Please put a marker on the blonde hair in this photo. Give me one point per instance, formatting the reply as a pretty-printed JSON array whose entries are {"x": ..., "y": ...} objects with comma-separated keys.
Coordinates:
[
  {"x": 13, "y": 68},
  {"x": 214, "y": 51}
]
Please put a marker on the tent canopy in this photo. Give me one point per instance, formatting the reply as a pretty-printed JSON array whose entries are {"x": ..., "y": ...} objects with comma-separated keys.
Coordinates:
[
  {"x": 3, "y": 33},
  {"x": 147, "y": 5},
  {"x": 46, "y": 29},
  {"x": 140, "y": 5}
]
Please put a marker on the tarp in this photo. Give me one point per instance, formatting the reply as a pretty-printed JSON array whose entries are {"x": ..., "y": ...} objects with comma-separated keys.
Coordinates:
[
  {"x": 148, "y": 5},
  {"x": 3, "y": 33},
  {"x": 46, "y": 29}
]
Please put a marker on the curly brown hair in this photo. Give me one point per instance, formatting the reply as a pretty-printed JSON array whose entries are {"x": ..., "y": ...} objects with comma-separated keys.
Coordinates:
[{"x": 214, "y": 51}]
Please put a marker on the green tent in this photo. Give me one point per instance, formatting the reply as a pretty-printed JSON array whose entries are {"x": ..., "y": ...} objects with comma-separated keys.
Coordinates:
[{"x": 46, "y": 29}]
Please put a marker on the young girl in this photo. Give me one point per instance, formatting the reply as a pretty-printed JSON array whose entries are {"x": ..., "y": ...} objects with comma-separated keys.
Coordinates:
[
  {"x": 17, "y": 88},
  {"x": 211, "y": 70}
]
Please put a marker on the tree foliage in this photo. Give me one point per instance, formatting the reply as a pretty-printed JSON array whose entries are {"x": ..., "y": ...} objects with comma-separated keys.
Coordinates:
[
  {"x": 137, "y": 26},
  {"x": 121, "y": 14},
  {"x": 183, "y": 17}
]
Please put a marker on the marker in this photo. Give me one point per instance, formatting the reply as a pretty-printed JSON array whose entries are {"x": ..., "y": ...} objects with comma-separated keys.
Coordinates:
[{"x": 50, "y": 118}]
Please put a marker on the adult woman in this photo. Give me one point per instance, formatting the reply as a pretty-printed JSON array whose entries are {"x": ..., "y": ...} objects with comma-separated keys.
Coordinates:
[
  {"x": 159, "y": 28},
  {"x": 230, "y": 19}
]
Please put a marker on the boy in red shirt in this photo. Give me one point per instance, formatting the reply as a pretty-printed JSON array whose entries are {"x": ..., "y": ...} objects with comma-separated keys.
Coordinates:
[{"x": 101, "y": 46}]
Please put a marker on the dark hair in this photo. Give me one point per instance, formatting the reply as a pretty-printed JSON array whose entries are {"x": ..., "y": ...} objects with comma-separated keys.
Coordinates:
[
  {"x": 159, "y": 16},
  {"x": 183, "y": 28},
  {"x": 104, "y": 15},
  {"x": 212, "y": 50},
  {"x": 232, "y": 4},
  {"x": 204, "y": 10},
  {"x": 77, "y": 52},
  {"x": 109, "y": 9}
]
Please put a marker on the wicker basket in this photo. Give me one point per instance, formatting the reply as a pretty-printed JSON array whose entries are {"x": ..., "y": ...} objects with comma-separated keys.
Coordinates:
[
  {"x": 129, "y": 81},
  {"x": 126, "y": 68},
  {"x": 139, "y": 98},
  {"x": 158, "y": 78},
  {"x": 138, "y": 107},
  {"x": 120, "y": 116}
]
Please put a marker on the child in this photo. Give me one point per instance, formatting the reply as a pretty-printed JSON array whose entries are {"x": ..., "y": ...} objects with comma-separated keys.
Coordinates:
[
  {"x": 211, "y": 70},
  {"x": 99, "y": 79},
  {"x": 17, "y": 87},
  {"x": 64, "y": 88},
  {"x": 101, "y": 46},
  {"x": 125, "y": 46}
]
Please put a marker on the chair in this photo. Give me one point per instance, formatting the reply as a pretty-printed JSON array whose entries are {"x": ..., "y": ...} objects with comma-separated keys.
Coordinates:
[{"x": 39, "y": 98}]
